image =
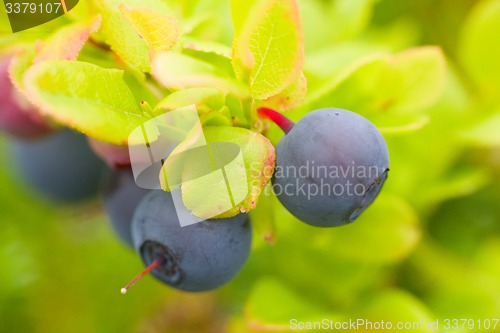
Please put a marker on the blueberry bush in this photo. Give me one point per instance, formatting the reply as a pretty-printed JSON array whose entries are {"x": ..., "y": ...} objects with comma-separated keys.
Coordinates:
[{"x": 410, "y": 88}]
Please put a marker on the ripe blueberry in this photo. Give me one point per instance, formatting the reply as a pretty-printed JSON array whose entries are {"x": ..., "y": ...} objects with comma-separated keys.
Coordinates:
[
  {"x": 121, "y": 195},
  {"x": 60, "y": 166},
  {"x": 197, "y": 257},
  {"x": 330, "y": 166}
]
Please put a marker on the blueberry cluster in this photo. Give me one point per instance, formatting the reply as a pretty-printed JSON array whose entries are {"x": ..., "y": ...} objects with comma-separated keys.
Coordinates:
[
  {"x": 330, "y": 167},
  {"x": 331, "y": 149},
  {"x": 62, "y": 166}
]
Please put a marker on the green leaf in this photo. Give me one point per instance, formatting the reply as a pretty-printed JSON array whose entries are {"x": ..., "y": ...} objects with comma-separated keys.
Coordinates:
[
  {"x": 463, "y": 291},
  {"x": 205, "y": 99},
  {"x": 486, "y": 133},
  {"x": 365, "y": 89},
  {"x": 216, "y": 118},
  {"x": 88, "y": 98},
  {"x": 206, "y": 46},
  {"x": 401, "y": 123},
  {"x": 462, "y": 224},
  {"x": 236, "y": 106},
  {"x": 217, "y": 54},
  {"x": 397, "y": 306},
  {"x": 386, "y": 232},
  {"x": 340, "y": 57},
  {"x": 210, "y": 21},
  {"x": 239, "y": 13},
  {"x": 19, "y": 65},
  {"x": 268, "y": 52},
  {"x": 423, "y": 74},
  {"x": 327, "y": 23},
  {"x": 290, "y": 98},
  {"x": 140, "y": 89},
  {"x": 178, "y": 71},
  {"x": 121, "y": 35},
  {"x": 454, "y": 184},
  {"x": 272, "y": 305},
  {"x": 205, "y": 196},
  {"x": 66, "y": 43},
  {"x": 488, "y": 253},
  {"x": 408, "y": 82},
  {"x": 478, "y": 51},
  {"x": 98, "y": 55},
  {"x": 263, "y": 217},
  {"x": 160, "y": 31},
  {"x": 84, "y": 10}
]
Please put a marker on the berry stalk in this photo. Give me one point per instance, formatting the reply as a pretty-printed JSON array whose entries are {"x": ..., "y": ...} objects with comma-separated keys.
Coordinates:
[
  {"x": 283, "y": 122},
  {"x": 155, "y": 264}
]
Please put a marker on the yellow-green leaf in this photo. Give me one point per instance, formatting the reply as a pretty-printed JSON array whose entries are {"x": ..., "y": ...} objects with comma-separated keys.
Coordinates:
[
  {"x": 332, "y": 22},
  {"x": 398, "y": 307},
  {"x": 385, "y": 233},
  {"x": 423, "y": 74},
  {"x": 401, "y": 123},
  {"x": 160, "y": 31},
  {"x": 179, "y": 71},
  {"x": 272, "y": 306},
  {"x": 290, "y": 98},
  {"x": 19, "y": 65},
  {"x": 66, "y": 43},
  {"x": 86, "y": 97},
  {"x": 205, "y": 99},
  {"x": 206, "y": 46},
  {"x": 121, "y": 35},
  {"x": 263, "y": 217},
  {"x": 486, "y": 133},
  {"x": 245, "y": 158},
  {"x": 268, "y": 52},
  {"x": 479, "y": 49},
  {"x": 407, "y": 82}
]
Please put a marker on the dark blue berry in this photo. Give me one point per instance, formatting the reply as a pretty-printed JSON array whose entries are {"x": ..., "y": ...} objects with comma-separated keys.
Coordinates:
[
  {"x": 330, "y": 167},
  {"x": 121, "y": 196},
  {"x": 197, "y": 257},
  {"x": 60, "y": 166}
]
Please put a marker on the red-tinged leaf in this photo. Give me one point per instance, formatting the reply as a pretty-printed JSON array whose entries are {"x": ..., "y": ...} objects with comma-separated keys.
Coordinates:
[
  {"x": 67, "y": 42},
  {"x": 290, "y": 98},
  {"x": 85, "y": 97}
]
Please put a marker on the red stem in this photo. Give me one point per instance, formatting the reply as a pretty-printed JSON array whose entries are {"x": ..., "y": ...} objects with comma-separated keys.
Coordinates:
[
  {"x": 156, "y": 263},
  {"x": 283, "y": 122}
]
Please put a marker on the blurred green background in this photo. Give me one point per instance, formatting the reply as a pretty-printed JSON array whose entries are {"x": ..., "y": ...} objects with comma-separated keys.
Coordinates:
[{"x": 428, "y": 248}]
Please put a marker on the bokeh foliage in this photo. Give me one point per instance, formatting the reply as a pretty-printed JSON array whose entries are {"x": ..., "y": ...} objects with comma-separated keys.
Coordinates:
[{"x": 427, "y": 249}]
